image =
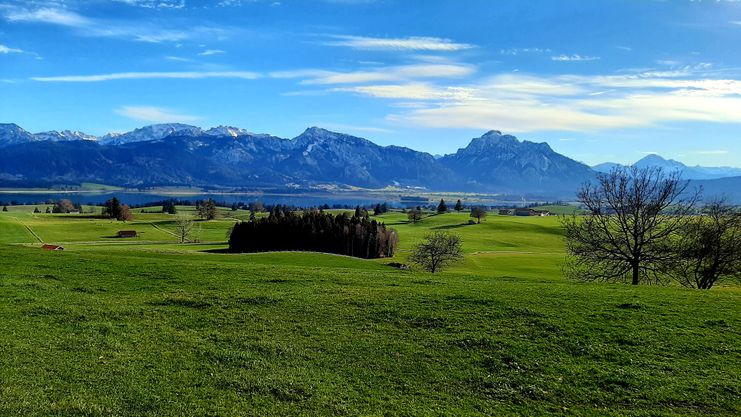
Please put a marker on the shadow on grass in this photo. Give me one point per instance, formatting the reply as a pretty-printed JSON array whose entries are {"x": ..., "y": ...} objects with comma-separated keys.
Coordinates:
[
  {"x": 452, "y": 226},
  {"x": 223, "y": 250}
]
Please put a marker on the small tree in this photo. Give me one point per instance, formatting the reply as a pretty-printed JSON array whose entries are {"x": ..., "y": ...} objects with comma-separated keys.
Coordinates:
[
  {"x": 63, "y": 206},
  {"x": 377, "y": 210},
  {"x": 442, "y": 207},
  {"x": 112, "y": 208},
  {"x": 183, "y": 227},
  {"x": 169, "y": 207},
  {"x": 709, "y": 248},
  {"x": 438, "y": 250},
  {"x": 5, "y": 208},
  {"x": 36, "y": 210},
  {"x": 414, "y": 215},
  {"x": 126, "y": 214},
  {"x": 207, "y": 210},
  {"x": 458, "y": 206},
  {"x": 48, "y": 209},
  {"x": 478, "y": 213}
]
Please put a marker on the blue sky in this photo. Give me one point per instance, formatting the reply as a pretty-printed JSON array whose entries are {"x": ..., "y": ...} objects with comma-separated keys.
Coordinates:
[{"x": 598, "y": 80}]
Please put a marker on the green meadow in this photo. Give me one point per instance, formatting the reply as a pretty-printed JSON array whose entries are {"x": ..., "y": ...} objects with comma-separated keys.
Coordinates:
[{"x": 150, "y": 327}]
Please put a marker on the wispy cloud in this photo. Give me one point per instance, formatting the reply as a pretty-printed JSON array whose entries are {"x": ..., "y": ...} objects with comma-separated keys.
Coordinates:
[
  {"x": 178, "y": 58},
  {"x": 49, "y": 16},
  {"x": 139, "y": 31},
  {"x": 208, "y": 52},
  {"x": 155, "y": 4},
  {"x": 411, "y": 92},
  {"x": 379, "y": 74},
  {"x": 574, "y": 58},
  {"x": 155, "y": 114},
  {"x": 520, "y": 51},
  {"x": 8, "y": 50},
  {"x": 414, "y": 43},
  {"x": 246, "y": 75}
]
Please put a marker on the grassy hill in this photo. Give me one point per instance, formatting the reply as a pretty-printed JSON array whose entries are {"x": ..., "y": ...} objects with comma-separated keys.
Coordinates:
[{"x": 150, "y": 327}]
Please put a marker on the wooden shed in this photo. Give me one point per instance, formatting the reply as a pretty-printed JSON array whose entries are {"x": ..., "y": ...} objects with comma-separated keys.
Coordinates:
[
  {"x": 52, "y": 247},
  {"x": 127, "y": 233}
]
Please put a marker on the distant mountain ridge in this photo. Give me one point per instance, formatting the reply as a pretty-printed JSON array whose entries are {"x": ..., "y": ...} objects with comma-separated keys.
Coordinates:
[
  {"x": 670, "y": 165},
  {"x": 230, "y": 157}
]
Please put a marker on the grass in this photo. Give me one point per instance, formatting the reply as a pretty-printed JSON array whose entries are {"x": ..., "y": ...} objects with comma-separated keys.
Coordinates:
[{"x": 154, "y": 328}]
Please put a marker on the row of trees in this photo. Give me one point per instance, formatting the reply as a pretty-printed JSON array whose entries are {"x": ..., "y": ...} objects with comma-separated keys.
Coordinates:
[
  {"x": 645, "y": 226},
  {"x": 477, "y": 212},
  {"x": 314, "y": 231}
]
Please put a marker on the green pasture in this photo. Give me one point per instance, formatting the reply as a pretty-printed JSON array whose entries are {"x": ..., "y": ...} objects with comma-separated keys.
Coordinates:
[{"x": 151, "y": 327}]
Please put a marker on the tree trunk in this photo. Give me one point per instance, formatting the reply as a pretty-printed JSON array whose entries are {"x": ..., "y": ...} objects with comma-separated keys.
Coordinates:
[{"x": 635, "y": 273}]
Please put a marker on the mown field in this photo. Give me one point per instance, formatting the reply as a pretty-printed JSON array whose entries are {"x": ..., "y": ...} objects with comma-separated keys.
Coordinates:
[{"x": 147, "y": 326}]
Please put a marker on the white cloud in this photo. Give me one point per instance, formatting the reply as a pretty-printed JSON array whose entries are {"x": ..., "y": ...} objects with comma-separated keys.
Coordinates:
[
  {"x": 246, "y": 75},
  {"x": 208, "y": 52},
  {"x": 139, "y": 31},
  {"x": 380, "y": 74},
  {"x": 155, "y": 114},
  {"x": 410, "y": 92},
  {"x": 522, "y": 103},
  {"x": 574, "y": 58},
  {"x": 49, "y": 16},
  {"x": 178, "y": 58},
  {"x": 8, "y": 50},
  {"x": 155, "y": 4},
  {"x": 414, "y": 43},
  {"x": 518, "y": 51}
]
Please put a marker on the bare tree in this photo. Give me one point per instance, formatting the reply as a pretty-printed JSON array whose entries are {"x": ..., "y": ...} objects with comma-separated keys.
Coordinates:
[
  {"x": 478, "y": 213},
  {"x": 632, "y": 213},
  {"x": 709, "y": 247},
  {"x": 184, "y": 227},
  {"x": 438, "y": 250}
]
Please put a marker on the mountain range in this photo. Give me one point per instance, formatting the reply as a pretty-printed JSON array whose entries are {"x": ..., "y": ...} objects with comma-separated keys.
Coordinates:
[
  {"x": 233, "y": 158},
  {"x": 669, "y": 165}
]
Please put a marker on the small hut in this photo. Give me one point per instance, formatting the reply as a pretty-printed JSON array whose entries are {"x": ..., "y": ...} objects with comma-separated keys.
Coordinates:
[
  {"x": 52, "y": 247},
  {"x": 127, "y": 233}
]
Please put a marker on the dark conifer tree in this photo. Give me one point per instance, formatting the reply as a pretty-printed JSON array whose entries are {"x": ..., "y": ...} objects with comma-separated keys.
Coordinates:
[
  {"x": 458, "y": 206},
  {"x": 442, "y": 207}
]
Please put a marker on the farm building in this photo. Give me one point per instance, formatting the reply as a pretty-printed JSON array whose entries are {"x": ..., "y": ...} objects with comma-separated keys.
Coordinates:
[
  {"x": 127, "y": 233},
  {"x": 52, "y": 247},
  {"x": 531, "y": 212},
  {"x": 505, "y": 212}
]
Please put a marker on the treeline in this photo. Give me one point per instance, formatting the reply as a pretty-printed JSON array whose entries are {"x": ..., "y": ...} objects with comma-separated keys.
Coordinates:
[{"x": 316, "y": 231}]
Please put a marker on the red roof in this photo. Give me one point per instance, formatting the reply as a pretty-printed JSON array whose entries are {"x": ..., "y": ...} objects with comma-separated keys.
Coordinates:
[{"x": 52, "y": 247}]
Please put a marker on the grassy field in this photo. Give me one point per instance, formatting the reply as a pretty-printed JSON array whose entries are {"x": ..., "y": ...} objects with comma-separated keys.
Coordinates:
[{"x": 150, "y": 327}]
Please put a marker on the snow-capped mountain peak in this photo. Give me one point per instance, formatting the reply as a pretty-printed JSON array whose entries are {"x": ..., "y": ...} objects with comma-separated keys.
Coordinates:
[
  {"x": 152, "y": 132},
  {"x": 227, "y": 131}
]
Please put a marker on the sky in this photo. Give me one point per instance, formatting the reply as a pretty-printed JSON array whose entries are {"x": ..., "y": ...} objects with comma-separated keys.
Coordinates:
[{"x": 598, "y": 80}]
